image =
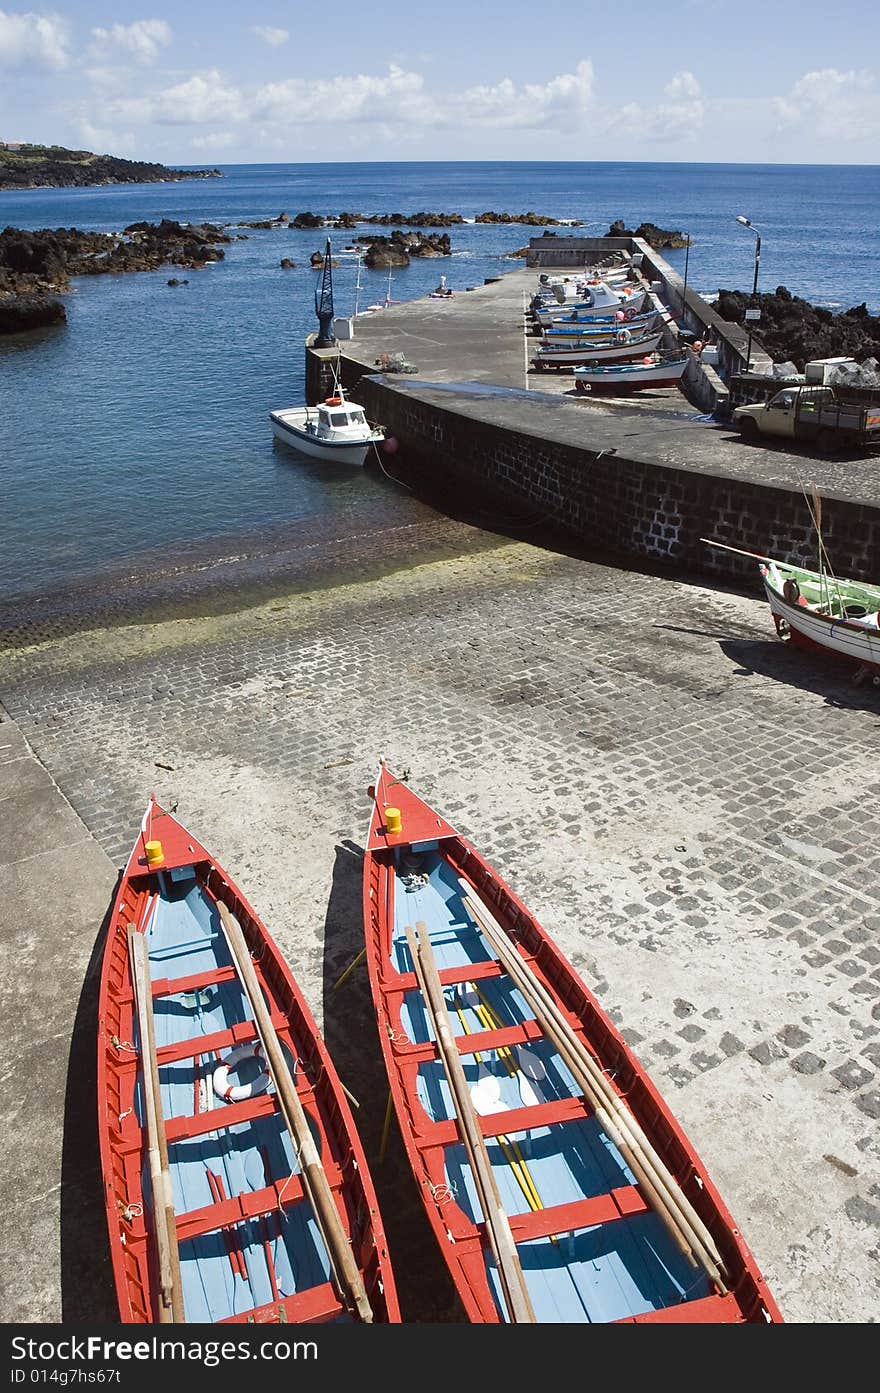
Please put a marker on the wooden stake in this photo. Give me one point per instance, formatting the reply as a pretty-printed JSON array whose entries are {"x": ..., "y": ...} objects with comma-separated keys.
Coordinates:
[
  {"x": 315, "y": 1182},
  {"x": 513, "y": 1283},
  {"x": 170, "y": 1283}
]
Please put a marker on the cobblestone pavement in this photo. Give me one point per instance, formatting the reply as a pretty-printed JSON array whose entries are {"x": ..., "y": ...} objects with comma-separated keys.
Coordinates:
[{"x": 683, "y": 800}]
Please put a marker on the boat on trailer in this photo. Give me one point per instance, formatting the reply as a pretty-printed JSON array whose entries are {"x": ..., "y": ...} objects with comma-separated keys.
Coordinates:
[
  {"x": 236, "y": 1186},
  {"x": 558, "y": 1184}
]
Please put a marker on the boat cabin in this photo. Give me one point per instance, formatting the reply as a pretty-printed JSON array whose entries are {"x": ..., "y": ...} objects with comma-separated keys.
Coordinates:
[{"x": 336, "y": 416}]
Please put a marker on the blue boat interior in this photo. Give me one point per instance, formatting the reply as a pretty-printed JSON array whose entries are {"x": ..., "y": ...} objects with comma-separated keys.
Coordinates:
[
  {"x": 227, "y": 1271},
  {"x": 602, "y": 1273}
]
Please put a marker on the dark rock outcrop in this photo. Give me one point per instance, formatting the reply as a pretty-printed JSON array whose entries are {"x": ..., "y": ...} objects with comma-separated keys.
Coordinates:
[
  {"x": 287, "y": 264},
  {"x": 53, "y": 166},
  {"x": 21, "y": 313},
  {"x": 649, "y": 232},
  {"x": 793, "y": 330},
  {"x": 36, "y": 263},
  {"x": 397, "y": 249},
  {"x": 529, "y": 219}
]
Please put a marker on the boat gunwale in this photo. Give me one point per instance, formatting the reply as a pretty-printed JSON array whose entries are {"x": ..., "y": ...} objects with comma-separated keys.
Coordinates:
[
  {"x": 641, "y": 1095},
  {"x": 329, "y": 1110}
]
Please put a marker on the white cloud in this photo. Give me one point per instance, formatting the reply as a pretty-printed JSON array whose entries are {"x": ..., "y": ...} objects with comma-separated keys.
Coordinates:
[
  {"x": 143, "y": 39},
  {"x": 398, "y": 107},
  {"x": 682, "y": 86},
  {"x": 28, "y": 38},
  {"x": 216, "y": 140},
  {"x": 678, "y": 119},
  {"x": 103, "y": 141},
  {"x": 534, "y": 105},
  {"x": 832, "y": 104},
  {"x": 201, "y": 100},
  {"x": 395, "y": 95},
  {"x": 273, "y": 37}
]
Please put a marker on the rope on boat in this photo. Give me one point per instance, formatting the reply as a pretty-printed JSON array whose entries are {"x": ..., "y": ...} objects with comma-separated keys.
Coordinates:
[
  {"x": 130, "y": 1211},
  {"x": 122, "y": 1044}
]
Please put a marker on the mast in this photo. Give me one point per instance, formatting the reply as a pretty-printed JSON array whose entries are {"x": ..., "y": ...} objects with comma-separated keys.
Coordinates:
[
  {"x": 324, "y": 305},
  {"x": 357, "y": 287}
]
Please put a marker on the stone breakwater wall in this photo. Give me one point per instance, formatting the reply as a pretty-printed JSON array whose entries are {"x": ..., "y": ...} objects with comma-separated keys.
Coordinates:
[{"x": 622, "y": 505}]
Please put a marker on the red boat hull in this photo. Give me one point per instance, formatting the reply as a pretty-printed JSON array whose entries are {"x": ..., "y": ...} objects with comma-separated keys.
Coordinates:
[
  {"x": 123, "y": 1141},
  {"x": 462, "y": 1241}
]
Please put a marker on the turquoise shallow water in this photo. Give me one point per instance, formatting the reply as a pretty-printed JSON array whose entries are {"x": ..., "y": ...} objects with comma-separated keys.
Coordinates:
[{"x": 143, "y": 425}]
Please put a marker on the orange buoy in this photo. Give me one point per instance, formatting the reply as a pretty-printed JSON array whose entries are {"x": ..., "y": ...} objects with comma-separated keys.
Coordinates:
[{"x": 333, "y": 401}]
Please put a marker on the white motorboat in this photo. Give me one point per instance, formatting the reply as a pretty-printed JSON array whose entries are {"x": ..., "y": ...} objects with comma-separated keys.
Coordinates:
[
  {"x": 598, "y": 301},
  {"x": 335, "y": 431}
]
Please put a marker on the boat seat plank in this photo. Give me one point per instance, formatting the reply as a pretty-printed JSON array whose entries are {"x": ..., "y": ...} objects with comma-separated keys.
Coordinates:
[
  {"x": 451, "y": 976},
  {"x": 580, "y": 1214},
  {"x": 704, "y": 1310},
  {"x": 309, "y": 1307},
  {"x": 233, "y": 1210},
  {"x": 241, "y": 1033},
  {"x": 177, "y": 986},
  {"x": 510, "y": 1122},
  {"x": 190, "y": 1125}
]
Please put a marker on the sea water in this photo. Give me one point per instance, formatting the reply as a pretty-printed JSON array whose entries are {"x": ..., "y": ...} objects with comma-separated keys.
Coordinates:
[{"x": 141, "y": 427}]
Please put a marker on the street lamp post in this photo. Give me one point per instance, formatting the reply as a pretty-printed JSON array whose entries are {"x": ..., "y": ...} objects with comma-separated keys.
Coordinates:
[{"x": 746, "y": 222}]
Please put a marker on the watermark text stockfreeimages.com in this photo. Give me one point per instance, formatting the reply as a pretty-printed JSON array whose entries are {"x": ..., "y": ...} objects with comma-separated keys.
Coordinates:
[{"x": 94, "y": 1349}]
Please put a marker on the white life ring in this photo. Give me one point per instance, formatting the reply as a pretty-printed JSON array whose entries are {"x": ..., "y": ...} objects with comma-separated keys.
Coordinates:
[
  {"x": 624, "y": 336},
  {"x": 239, "y": 1092}
]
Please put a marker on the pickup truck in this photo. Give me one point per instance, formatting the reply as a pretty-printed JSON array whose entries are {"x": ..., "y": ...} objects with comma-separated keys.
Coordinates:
[{"x": 829, "y": 416}]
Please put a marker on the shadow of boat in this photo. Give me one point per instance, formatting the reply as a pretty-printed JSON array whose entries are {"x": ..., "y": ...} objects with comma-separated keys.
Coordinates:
[{"x": 424, "y": 1285}]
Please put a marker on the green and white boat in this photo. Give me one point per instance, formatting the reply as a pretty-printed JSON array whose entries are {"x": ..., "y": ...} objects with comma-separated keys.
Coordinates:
[{"x": 818, "y": 610}]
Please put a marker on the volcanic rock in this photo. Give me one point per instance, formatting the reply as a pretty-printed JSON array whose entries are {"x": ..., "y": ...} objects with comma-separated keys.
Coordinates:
[
  {"x": 21, "y": 313},
  {"x": 649, "y": 232},
  {"x": 791, "y": 328},
  {"x": 530, "y": 219}
]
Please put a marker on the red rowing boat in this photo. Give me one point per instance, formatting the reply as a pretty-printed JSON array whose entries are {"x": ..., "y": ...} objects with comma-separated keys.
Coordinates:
[
  {"x": 558, "y": 1183},
  {"x": 235, "y": 1183}
]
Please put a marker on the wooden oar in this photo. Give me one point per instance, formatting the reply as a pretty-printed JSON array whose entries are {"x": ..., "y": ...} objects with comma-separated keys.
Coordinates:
[
  {"x": 756, "y": 556},
  {"x": 498, "y": 1232},
  {"x": 314, "y": 1177},
  {"x": 170, "y": 1284},
  {"x": 661, "y": 1190}
]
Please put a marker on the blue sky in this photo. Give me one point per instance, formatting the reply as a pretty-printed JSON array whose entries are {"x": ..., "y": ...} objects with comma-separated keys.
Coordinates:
[{"x": 787, "y": 81}]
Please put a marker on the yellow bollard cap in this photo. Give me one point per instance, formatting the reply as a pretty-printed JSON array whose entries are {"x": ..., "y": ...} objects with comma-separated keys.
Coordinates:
[
  {"x": 155, "y": 854},
  {"x": 393, "y": 821}
]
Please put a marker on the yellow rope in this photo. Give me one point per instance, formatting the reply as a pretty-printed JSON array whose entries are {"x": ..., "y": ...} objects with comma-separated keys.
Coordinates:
[
  {"x": 511, "y": 1149},
  {"x": 490, "y": 1020}
]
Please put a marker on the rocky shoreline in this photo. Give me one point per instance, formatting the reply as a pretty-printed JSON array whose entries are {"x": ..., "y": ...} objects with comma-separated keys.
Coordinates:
[
  {"x": 794, "y": 331},
  {"x": 35, "y": 266},
  {"x": 54, "y": 167}
]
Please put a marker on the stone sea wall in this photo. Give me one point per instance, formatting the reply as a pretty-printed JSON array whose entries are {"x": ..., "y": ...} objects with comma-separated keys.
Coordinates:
[{"x": 622, "y": 505}]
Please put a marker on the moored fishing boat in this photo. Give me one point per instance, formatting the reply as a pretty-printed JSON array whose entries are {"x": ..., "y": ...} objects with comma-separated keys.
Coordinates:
[
  {"x": 655, "y": 370},
  {"x": 558, "y": 1184},
  {"x": 235, "y": 1183},
  {"x": 336, "y": 431},
  {"x": 625, "y": 347},
  {"x": 593, "y": 300},
  {"x": 569, "y": 328}
]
